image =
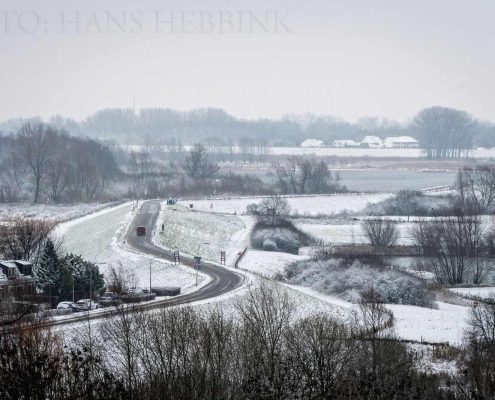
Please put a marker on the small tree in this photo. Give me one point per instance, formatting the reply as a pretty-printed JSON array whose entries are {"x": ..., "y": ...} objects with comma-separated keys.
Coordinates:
[
  {"x": 381, "y": 232},
  {"x": 49, "y": 269},
  {"x": 273, "y": 208}
]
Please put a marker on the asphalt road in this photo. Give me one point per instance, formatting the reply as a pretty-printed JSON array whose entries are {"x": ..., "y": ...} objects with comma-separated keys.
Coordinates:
[{"x": 222, "y": 280}]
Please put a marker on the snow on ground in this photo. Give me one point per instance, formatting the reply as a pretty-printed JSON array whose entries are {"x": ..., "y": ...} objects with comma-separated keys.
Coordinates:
[
  {"x": 304, "y": 205},
  {"x": 349, "y": 233},
  {"x": 100, "y": 238},
  {"x": 445, "y": 324},
  {"x": 483, "y": 292},
  {"x": 267, "y": 263},
  {"x": 54, "y": 212},
  {"x": 200, "y": 234}
]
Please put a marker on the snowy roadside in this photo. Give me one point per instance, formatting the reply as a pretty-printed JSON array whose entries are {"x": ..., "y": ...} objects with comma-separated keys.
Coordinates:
[
  {"x": 54, "y": 212},
  {"x": 100, "y": 238}
]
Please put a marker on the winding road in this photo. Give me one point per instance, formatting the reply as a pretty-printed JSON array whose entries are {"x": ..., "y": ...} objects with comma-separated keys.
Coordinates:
[{"x": 222, "y": 280}]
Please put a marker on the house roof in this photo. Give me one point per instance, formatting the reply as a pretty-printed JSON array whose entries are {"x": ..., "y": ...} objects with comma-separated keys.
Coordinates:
[
  {"x": 400, "y": 139},
  {"x": 312, "y": 143},
  {"x": 371, "y": 139}
]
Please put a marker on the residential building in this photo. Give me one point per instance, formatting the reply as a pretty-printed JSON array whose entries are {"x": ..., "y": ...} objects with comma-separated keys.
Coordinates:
[
  {"x": 400, "y": 142},
  {"x": 313, "y": 143},
  {"x": 372, "y": 142},
  {"x": 16, "y": 279}
]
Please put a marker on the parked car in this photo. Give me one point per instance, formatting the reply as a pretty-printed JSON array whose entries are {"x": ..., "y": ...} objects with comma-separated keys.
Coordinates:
[
  {"x": 109, "y": 299},
  {"x": 87, "y": 304},
  {"x": 68, "y": 305}
]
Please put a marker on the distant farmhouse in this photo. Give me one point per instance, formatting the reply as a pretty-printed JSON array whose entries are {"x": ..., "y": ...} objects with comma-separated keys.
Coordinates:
[
  {"x": 400, "y": 142},
  {"x": 313, "y": 143},
  {"x": 16, "y": 279},
  {"x": 374, "y": 142},
  {"x": 346, "y": 143}
]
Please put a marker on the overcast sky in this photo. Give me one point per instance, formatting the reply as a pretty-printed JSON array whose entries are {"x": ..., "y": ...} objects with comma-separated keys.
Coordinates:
[{"x": 348, "y": 58}]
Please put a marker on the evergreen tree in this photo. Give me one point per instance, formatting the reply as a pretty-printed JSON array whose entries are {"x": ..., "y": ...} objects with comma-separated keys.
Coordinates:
[
  {"x": 83, "y": 272},
  {"x": 48, "y": 271}
]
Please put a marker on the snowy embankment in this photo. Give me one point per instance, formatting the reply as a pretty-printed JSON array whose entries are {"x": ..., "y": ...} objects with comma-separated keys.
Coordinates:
[
  {"x": 202, "y": 234},
  {"x": 302, "y": 205},
  {"x": 100, "y": 238},
  {"x": 53, "y": 212}
]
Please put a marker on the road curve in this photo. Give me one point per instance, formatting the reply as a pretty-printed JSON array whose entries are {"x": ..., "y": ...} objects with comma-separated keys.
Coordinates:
[{"x": 222, "y": 280}]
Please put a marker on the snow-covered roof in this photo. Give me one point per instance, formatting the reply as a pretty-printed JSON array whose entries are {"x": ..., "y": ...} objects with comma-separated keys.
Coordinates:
[
  {"x": 371, "y": 140},
  {"x": 400, "y": 139},
  {"x": 312, "y": 143}
]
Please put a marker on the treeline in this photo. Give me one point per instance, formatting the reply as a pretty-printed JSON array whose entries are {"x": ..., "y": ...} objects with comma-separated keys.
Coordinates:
[
  {"x": 265, "y": 352},
  {"x": 443, "y": 132},
  {"x": 197, "y": 173},
  {"x": 52, "y": 166}
]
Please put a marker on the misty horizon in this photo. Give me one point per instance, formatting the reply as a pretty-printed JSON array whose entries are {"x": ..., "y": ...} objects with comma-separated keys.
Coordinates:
[{"x": 254, "y": 60}]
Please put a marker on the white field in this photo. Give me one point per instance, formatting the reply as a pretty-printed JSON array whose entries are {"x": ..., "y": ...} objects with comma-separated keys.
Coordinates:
[
  {"x": 267, "y": 263},
  {"x": 349, "y": 233},
  {"x": 200, "y": 234},
  {"x": 56, "y": 213},
  {"x": 100, "y": 238},
  {"x": 483, "y": 292},
  {"x": 305, "y": 205}
]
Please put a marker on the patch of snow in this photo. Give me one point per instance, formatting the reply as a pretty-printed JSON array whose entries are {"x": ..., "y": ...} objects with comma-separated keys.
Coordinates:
[{"x": 304, "y": 205}]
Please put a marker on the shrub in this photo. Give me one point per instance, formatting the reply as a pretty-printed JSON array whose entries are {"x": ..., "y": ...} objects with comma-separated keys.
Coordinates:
[
  {"x": 333, "y": 277},
  {"x": 283, "y": 236},
  {"x": 381, "y": 232}
]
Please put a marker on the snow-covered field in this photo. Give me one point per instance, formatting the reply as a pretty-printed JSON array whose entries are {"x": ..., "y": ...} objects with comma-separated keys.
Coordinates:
[
  {"x": 267, "y": 263},
  {"x": 447, "y": 323},
  {"x": 100, "y": 238},
  {"x": 483, "y": 292},
  {"x": 197, "y": 233},
  {"x": 57, "y": 213},
  {"x": 304, "y": 205},
  {"x": 349, "y": 233}
]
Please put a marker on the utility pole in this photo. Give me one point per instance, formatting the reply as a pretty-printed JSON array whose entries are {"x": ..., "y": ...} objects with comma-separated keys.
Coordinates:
[{"x": 150, "y": 273}]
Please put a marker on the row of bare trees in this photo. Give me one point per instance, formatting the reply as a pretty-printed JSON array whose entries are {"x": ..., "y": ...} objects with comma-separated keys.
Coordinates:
[
  {"x": 266, "y": 352},
  {"x": 53, "y": 165},
  {"x": 300, "y": 175}
]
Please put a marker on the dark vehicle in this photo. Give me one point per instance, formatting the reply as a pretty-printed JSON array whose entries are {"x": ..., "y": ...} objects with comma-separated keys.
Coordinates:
[
  {"x": 141, "y": 231},
  {"x": 166, "y": 290}
]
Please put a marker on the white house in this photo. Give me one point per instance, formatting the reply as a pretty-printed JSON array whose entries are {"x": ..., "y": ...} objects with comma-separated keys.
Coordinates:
[
  {"x": 372, "y": 142},
  {"x": 345, "y": 143},
  {"x": 400, "y": 142},
  {"x": 313, "y": 143}
]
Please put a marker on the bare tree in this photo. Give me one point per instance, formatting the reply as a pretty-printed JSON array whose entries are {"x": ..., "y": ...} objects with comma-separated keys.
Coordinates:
[
  {"x": 477, "y": 184},
  {"x": 445, "y": 132},
  {"x": 35, "y": 142},
  {"x": 22, "y": 239},
  {"x": 381, "y": 232},
  {"x": 452, "y": 247},
  {"x": 198, "y": 164},
  {"x": 273, "y": 208},
  {"x": 479, "y": 358},
  {"x": 301, "y": 175}
]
